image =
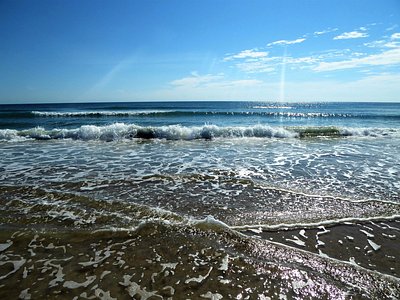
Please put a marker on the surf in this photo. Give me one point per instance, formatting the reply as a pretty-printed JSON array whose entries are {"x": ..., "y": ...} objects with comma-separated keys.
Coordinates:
[{"x": 120, "y": 131}]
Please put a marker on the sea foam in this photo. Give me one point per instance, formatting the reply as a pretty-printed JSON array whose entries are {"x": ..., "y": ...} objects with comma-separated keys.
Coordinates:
[{"x": 119, "y": 131}]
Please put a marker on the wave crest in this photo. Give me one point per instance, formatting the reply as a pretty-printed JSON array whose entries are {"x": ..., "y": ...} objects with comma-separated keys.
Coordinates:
[
  {"x": 97, "y": 114},
  {"x": 119, "y": 131}
]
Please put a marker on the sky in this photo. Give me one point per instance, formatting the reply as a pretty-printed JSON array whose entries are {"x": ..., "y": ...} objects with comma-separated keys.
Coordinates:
[{"x": 96, "y": 50}]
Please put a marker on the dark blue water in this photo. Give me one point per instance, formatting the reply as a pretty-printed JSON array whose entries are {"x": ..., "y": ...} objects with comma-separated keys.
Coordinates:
[{"x": 50, "y": 116}]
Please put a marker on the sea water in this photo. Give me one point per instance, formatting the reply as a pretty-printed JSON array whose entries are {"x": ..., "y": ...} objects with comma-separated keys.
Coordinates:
[{"x": 217, "y": 200}]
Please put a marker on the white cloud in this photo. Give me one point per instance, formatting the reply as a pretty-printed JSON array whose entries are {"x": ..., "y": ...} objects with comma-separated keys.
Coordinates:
[
  {"x": 388, "y": 42},
  {"x": 287, "y": 42},
  {"x": 394, "y": 44},
  {"x": 301, "y": 60},
  {"x": 274, "y": 63},
  {"x": 262, "y": 65},
  {"x": 376, "y": 44},
  {"x": 351, "y": 35},
  {"x": 247, "y": 54},
  {"x": 395, "y": 36},
  {"x": 389, "y": 57},
  {"x": 325, "y": 31}
]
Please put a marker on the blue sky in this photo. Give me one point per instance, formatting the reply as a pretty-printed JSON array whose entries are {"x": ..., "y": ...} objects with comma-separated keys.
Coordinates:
[{"x": 93, "y": 50}]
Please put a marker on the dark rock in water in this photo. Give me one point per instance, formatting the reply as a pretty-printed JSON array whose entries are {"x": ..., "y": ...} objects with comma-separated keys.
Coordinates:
[
  {"x": 319, "y": 131},
  {"x": 147, "y": 133},
  {"x": 207, "y": 135}
]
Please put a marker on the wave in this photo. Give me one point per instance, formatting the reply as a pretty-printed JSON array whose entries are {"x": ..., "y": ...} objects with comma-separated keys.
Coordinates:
[
  {"x": 272, "y": 107},
  {"x": 120, "y": 131},
  {"x": 183, "y": 113},
  {"x": 177, "y": 113},
  {"x": 97, "y": 113},
  {"x": 253, "y": 112}
]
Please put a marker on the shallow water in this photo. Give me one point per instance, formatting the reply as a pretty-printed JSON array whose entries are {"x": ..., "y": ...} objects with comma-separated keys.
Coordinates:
[{"x": 247, "y": 211}]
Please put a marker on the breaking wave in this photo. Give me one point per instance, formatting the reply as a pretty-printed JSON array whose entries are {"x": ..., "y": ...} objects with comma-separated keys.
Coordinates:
[{"x": 119, "y": 131}]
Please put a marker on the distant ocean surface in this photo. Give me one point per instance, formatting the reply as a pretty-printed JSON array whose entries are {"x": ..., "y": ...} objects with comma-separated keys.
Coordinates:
[{"x": 212, "y": 200}]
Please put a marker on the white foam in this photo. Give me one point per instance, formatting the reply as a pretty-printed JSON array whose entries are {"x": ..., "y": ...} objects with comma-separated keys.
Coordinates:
[
  {"x": 325, "y": 231},
  {"x": 372, "y": 132},
  {"x": 374, "y": 246},
  {"x": 119, "y": 131},
  {"x": 352, "y": 260},
  {"x": 5, "y": 246},
  {"x": 104, "y": 274},
  {"x": 297, "y": 241},
  {"x": 9, "y": 134},
  {"x": 299, "y": 284},
  {"x": 212, "y": 296},
  {"x": 25, "y": 294},
  {"x": 367, "y": 233},
  {"x": 210, "y": 222},
  {"x": 170, "y": 288},
  {"x": 200, "y": 278},
  {"x": 303, "y": 233},
  {"x": 134, "y": 289},
  {"x": 74, "y": 285},
  {"x": 225, "y": 281},
  {"x": 102, "y": 295},
  {"x": 97, "y": 113},
  {"x": 255, "y": 230},
  {"x": 313, "y": 225},
  {"x": 224, "y": 263},
  {"x": 169, "y": 266},
  {"x": 271, "y": 106},
  {"x": 17, "y": 264},
  {"x": 98, "y": 258},
  {"x": 59, "y": 276}
]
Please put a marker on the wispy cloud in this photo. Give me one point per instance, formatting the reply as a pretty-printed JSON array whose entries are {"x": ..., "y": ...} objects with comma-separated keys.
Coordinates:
[
  {"x": 351, "y": 35},
  {"x": 386, "y": 42},
  {"x": 376, "y": 44},
  {"x": 259, "y": 66},
  {"x": 370, "y": 88},
  {"x": 389, "y": 57},
  {"x": 210, "y": 80},
  {"x": 287, "y": 42},
  {"x": 210, "y": 87},
  {"x": 328, "y": 30},
  {"x": 106, "y": 80},
  {"x": 196, "y": 80},
  {"x": 393, "y": 27},
  {"x": 247, "y": 54},
  {"x": 387, "y": 53}
]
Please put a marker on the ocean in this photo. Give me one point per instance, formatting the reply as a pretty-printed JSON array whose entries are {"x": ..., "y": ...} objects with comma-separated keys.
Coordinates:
[{"x": 200, "y": 200}]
